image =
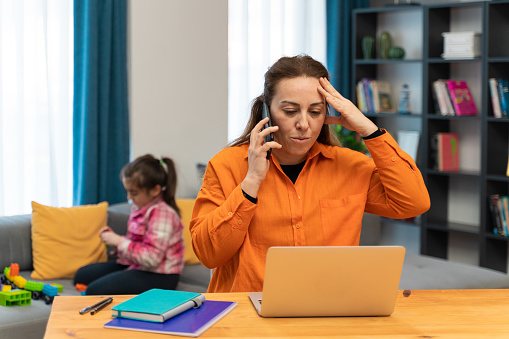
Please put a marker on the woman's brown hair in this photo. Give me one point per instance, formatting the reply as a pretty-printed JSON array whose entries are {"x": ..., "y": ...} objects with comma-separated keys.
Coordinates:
[{"x": 286, "y": 68}]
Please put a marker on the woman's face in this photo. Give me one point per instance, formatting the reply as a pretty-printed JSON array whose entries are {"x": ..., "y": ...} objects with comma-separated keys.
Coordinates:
[{"x": 299, "y": 111}]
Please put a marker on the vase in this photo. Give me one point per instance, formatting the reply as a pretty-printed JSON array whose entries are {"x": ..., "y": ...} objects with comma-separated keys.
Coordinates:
[
  {"x": 384, "y": 45},
  {"x": 396, "y": 52},
  {"x": 368, "y": 47}
]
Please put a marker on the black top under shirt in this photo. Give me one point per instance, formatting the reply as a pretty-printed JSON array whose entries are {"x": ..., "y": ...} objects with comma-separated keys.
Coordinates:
[{"x": 293, "y": 171}]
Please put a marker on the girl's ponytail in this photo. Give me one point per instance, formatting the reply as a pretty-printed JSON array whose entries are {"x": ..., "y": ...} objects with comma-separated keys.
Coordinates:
[{"x": 170, "y": 186}]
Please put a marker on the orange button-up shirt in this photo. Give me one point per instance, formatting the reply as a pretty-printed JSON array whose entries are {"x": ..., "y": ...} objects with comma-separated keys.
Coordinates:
[{"x": 324, "y": 207}]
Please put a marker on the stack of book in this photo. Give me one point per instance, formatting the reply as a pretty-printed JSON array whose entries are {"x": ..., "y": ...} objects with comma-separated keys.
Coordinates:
[
  {"x": 499, "y": 90},
  {"x": 499, "y": 208},
  {"x": 169, "y": 312},
  {"x": 374, "y": 96},
  {"x": 461, "y": 45},
  {"x": 453, "y": 97},
  {"x": 445, "y": 152}
]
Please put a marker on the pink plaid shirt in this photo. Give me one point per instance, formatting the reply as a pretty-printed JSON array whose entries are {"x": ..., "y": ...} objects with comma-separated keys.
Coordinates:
[{"x": 154, "y": 240}]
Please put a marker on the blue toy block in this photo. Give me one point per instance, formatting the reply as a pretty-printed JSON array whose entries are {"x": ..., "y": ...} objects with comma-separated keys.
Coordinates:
[{"x": 49, "y": 290}]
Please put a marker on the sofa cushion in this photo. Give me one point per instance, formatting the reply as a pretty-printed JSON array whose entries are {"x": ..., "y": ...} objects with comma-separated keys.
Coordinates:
[
  {"x": 428, "y": 273},
  {"x": 15, "y": 241},
  {"x": 65, "y": 239},
  {"x": 186, "y": 210}
]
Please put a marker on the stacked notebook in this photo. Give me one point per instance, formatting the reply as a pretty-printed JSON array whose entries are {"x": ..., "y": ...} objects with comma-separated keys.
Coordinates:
[{"x": 169, "y": 312}]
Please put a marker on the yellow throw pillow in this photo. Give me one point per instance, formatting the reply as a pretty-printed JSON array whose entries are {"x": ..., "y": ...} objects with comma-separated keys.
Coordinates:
[
  {"x": 65, "y": 239},
  {"x": 186, "y": 210}
]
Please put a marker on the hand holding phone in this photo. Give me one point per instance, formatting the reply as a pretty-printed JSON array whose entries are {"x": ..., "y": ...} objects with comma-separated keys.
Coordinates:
[{"x": 270, "y": 136}]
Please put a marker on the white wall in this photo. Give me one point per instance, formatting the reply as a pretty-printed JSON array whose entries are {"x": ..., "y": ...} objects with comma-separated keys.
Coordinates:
[{"x": 178, "y": 82}]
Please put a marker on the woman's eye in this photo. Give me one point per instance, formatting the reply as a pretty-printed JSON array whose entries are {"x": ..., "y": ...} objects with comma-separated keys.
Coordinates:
[
  {"x": 289, "y": 111},
  {"x": 316, "y": 112}
]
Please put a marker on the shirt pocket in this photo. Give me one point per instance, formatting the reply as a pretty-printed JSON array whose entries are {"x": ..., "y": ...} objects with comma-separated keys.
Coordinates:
[
  {"x": 341, "y": 220},
  {"x": 137, "y": 233}
]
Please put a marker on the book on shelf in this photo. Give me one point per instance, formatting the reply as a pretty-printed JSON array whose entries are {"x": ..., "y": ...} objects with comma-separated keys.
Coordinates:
[
  {"x": 445, "y": 152},
  {"x": 495, "y": 100},
  {"x": 504, "y": 206},
  {"x": 498, "y": 215},
  {"x": 461, "y": 97},
  {"x": 190, "y": 323},
  {"x": 374, "y": 96},
  {"x": 361, "y": 97},
  {"x": 408, "y": 141},
  {"x": 382, "y": 95},
  {"x": 503, "y": 95},
  {"x": 157, "y": 305},
  {"x": 443, "y": 98},
  {"x": 368, "y": 94}
]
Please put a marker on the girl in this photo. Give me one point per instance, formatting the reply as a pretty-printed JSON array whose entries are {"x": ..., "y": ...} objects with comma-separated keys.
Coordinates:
[{"x": 151, "y": 254}]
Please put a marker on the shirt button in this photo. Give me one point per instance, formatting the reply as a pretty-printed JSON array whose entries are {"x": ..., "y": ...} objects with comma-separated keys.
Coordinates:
[
  {"x": 239, "y": 222},
  {"x": 297, "y": 226},
  {"x": 298, "y": 197},
  {"x": 230, "y": 214},
  {"x": 393, "y": 159}
]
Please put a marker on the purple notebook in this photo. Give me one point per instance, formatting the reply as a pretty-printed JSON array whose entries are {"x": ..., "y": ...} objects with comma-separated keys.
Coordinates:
[{"x": 191, "y": 323}]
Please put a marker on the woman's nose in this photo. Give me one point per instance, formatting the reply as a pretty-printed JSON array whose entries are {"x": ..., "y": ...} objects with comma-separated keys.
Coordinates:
[{"x": 302, "y": 122}]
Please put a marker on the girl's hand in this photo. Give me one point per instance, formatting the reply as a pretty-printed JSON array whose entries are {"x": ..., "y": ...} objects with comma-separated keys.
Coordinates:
[
  {"x": 351, "y": 117},
  {"x": 257, "y": 157},
  {"x": 109, "y": 237}
]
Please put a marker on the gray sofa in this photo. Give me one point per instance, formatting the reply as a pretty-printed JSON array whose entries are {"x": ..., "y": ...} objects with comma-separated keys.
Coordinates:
[
  {"x": 16, "y": 247},
  {"x": 419, "y": 272}
]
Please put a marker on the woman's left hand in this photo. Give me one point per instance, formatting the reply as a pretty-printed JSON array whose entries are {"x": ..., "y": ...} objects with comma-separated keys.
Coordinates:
[{"x": 351, "y": 117}]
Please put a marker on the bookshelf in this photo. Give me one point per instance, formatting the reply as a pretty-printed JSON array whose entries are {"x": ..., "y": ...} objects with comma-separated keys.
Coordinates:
[{"x": 459, "y": 200}]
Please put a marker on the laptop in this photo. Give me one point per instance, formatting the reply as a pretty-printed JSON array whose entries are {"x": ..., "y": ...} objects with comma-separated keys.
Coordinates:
[{"x": 317, "y": 281}]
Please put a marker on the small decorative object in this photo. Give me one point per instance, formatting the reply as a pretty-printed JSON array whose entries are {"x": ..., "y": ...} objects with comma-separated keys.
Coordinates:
[
  {"x": 396, "y": 52},
  {"x": 404, "y": 103},
  {"x": 368, "y": 46},
  {"x": 384, "y": 44}
]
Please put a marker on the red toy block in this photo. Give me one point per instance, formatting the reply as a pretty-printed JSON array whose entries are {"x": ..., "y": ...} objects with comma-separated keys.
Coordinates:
[
  {"x": 81, "y": 287},
  {"x": 14, "y": 270}
]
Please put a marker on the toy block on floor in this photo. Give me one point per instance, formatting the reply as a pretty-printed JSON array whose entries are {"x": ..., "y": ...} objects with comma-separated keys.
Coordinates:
[{"x": 15, "y": 297}]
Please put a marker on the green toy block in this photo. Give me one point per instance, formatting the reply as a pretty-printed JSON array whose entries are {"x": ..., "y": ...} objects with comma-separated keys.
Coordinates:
[
  {"x": 34, "y": 286},
  {"x": 15, "y": 297},
  {"x": 60, "y": 287}
]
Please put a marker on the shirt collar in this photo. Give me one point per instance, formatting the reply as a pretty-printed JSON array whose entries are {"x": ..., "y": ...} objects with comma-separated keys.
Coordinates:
[{"x": 144, "y": 209}]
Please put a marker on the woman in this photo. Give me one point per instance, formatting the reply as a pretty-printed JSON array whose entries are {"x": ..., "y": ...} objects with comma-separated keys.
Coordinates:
[{"x": 310, "y": 192}]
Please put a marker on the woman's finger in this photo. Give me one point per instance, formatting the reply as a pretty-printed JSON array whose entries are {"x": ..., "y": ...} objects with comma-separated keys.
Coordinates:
[{"x": 327, "y": 86}]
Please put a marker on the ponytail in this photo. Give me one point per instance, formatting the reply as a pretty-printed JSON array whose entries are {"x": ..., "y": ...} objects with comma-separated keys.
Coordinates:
[{"x": 170, "y": 186}]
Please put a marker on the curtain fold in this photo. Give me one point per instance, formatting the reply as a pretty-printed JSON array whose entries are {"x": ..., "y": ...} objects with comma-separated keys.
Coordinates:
[
  {"x": 339, "y": 42},
  {"x": 36, "y": 70},
  {"x": 101, "y": 120}
]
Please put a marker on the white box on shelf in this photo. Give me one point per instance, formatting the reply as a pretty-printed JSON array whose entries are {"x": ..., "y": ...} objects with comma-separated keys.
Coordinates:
[
  {"x": 462, "y": 38},
  {"x": 461, "y": 45}
]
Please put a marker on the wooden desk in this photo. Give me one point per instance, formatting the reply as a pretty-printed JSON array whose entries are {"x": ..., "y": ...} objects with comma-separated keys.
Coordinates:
[{"x": 423, "y": 314}]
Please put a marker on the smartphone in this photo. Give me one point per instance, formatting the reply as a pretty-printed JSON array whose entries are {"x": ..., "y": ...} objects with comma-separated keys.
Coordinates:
[{"x": 270, "y": 136}]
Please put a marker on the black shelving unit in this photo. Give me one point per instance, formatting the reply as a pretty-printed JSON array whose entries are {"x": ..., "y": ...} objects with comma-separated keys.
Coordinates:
[{"x": 483, "y": 138}]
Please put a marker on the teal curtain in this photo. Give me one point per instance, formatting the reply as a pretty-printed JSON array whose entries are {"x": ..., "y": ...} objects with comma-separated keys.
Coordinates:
[
  {"x": 100, "y": 117},
  {"x": 339, "y": 42}
]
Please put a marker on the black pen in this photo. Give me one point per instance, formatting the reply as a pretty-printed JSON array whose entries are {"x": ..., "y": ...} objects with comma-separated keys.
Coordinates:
[
  {"x": 101, "y": 306},
  {"x": 88, "y": 308}
]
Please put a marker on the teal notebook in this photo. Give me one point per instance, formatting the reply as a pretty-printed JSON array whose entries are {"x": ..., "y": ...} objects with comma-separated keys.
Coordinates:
[{"x": 157, "y": 305}]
